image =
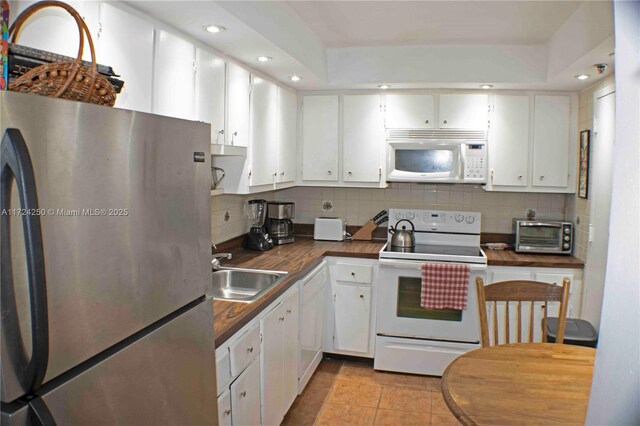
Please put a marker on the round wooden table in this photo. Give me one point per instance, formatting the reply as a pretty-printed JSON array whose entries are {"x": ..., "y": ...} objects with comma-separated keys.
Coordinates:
[{"x": 520, "y": 383}]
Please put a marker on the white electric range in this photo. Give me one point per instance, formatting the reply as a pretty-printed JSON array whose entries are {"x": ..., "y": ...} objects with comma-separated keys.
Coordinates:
[{"x": 412, "y": 339}]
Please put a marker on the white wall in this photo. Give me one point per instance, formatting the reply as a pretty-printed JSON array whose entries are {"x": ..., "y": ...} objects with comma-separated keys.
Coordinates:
[{"x": 615, "y": 393}]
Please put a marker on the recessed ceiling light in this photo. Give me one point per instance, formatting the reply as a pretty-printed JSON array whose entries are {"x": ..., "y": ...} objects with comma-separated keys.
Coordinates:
[
  {"x": 295, "y": 78},
  {"x": 486, "y": 86},
  {"x": 384, "y": 86},
  {"x": 582, "y": 76},
  {"x": 214, "y": 29},
  {"x": 264, "y": 58}
]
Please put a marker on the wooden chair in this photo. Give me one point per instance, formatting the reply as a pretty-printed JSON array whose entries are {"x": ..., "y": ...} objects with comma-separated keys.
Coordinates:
[{"x": 521, "y": 291}]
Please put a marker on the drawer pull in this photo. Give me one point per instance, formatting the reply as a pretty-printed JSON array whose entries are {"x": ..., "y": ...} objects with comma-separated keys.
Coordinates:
[
  {"x": 281, "y": 319},
  {"x": 361, "y": 296},
  {"x": 353, "y": 274},
  {"x": 250, "y": 349},
  {"x": 288, "y": 311},
  {"x": 243, "y": 393}
]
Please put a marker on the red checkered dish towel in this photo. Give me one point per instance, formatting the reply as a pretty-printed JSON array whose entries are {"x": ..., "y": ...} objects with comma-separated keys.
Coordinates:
[{"x": 444, "y": 286}]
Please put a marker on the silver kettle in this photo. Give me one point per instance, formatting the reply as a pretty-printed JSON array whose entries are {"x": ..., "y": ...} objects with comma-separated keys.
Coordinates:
[{"x": 403, "y": 237}]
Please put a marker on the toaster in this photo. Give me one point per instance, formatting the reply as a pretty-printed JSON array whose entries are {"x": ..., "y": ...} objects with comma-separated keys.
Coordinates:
[{"x": 329, "y": 229}]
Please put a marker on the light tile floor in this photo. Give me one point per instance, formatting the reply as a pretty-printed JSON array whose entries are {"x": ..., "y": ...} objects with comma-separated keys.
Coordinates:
[{"x": 353, "y": 393}]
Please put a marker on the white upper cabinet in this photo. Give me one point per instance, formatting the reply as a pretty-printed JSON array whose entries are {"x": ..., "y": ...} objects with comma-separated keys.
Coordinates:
[
  {"x": 409, "y": 111},
  {"x": 264, "y": 126},
  {"x": 551, "y": 141},
  {"x": 509, "y": 141},
  {"x": 238, "y": 92},
  {"x": 463, "y": 111},
  {"x": 287, "y": 131},
  {"x": 55, "y": 30},
  {"x": 362, "y": 138},
  {"x": 135, "y": 62},
  {"x": 174, "y": 76},
  {"x": 210, "y": 87},
  {"x": 320, "y": 138}
]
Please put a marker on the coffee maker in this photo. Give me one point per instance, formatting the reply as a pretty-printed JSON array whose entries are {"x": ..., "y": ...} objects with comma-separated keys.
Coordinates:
[
  {"x": 279, "y": 223},
  {"x": 257, "y": 238}
]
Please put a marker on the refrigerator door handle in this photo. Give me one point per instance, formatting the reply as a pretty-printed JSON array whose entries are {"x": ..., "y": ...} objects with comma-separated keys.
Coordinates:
[
  {"x": 39, "y": 413},
  {"x": 15, "y": 165}
]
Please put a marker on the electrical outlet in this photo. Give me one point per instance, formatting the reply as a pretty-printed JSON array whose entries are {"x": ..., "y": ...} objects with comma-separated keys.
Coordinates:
[{"x": 327, "y": 206}]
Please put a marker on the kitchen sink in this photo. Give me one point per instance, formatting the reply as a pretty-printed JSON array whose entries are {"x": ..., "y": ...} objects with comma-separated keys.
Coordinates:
[{"x": 243, "y": 285}]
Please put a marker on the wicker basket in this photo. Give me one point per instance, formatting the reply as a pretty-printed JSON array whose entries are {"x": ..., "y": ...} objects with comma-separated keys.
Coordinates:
[{"x": 67, "y": 80}]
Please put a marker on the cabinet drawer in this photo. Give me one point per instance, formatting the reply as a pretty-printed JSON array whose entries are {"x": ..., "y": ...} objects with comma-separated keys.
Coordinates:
[
  {"x": 224, "y": 409},
  {"x": 223, "y": 371},
  {"x": 354, "y": 273},
  {"x": 244, "y": 350}
]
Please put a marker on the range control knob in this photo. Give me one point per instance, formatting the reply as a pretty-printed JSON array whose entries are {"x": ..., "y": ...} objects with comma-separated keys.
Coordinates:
[
  {"x": 411, "y": 215},
  {"x": 470, "y": 219},
  {"x": 566, "y": 246},
  {"x": 398, "y": 216},
  {"x": 567, "y": 230},
  {"x": 567, "y": 238},
  {"x": 459, "y": 218}
]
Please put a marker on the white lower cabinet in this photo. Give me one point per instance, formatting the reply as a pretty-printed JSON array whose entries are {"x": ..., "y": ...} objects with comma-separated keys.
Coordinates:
[
  {"x": 312, "y": 304},
  {"x": 549, "y": 275},
  {"x": 224, "y": 409},
  {"x": 350, "y": 311},
  {"x": 245, "y": 397},
  {"x": 279, "y": 359}
]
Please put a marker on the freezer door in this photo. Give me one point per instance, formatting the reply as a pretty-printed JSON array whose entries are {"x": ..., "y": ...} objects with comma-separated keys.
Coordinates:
[
  {"x": 166, "y": 378},
  {"x": 125, "y": 218}
]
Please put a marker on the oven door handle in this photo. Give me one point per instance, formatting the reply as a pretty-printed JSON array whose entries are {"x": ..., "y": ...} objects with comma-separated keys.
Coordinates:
[{"x": 416, "y": 264}]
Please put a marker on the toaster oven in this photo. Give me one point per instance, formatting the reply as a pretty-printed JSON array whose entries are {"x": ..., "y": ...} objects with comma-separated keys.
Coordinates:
[{"x": 543, "y": 236}]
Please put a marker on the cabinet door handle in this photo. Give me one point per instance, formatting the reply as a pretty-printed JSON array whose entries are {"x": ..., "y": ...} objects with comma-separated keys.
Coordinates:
[
  {"x": 275, "y": 173},
  {"x": 288, "y": 311},
  {"x": 281, "y": 319},
  {"x": 350, "y": 173},
  {"x": 250, "y": 349},
  {"x": 353, "y": 274},
  {"x": 282, "y": 174},
  {"x": 444, "y": 122},
  {"x": 426, "y": 121},
  {"x": 541, "y": 177},
  {"x": 329, "y": 172},
  {"x": 520, "y": 177},
  {"x": 227, "y": 412},
  {"x": 243, "y": 393}
]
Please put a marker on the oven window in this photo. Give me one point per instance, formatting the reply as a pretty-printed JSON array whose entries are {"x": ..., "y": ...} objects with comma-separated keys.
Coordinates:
[
  {"x": 424, "y": 160},
  {"x": 540, "y": 236},
  {"x": 409, "y": 303}
]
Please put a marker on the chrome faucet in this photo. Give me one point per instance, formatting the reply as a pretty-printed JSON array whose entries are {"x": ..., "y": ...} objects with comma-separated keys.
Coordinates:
[{"x": 215, "y": 262}]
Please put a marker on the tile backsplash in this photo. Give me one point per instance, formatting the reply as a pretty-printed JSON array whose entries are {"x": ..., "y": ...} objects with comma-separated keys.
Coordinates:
[{"x": 358, "y": 205}]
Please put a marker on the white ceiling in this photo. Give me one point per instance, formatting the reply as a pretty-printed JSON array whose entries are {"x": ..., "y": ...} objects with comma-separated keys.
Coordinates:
[
  {"x": 392, "y": 23},
  {"x": 408, "y": 44}
]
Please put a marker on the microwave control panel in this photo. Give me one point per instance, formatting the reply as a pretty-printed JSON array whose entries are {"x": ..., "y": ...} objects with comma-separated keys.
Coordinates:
[{"x": 475, "y": 165}]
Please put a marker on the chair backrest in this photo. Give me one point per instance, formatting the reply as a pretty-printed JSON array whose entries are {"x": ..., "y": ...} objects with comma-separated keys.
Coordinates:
[{"x": 521, "y": 291}]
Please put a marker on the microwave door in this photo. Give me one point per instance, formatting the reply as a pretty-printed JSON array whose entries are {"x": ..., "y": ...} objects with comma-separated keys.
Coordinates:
[{"x": 424, "y": 162}]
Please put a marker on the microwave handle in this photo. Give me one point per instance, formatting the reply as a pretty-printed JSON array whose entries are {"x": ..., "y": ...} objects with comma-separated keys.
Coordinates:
[
  {"x": 548, "y": 225},
  {"x": 461, "y": 161}
]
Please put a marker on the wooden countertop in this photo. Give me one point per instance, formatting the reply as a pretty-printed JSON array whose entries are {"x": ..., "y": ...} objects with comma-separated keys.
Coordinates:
[
  {"x": 302, "y": 256},
  {"x": 297, "y": 259},
  {"x": 511, "y": 258}
]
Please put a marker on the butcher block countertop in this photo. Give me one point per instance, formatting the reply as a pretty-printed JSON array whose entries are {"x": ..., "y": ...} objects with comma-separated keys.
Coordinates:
[
  {"x": 301, "y": 257},
  {"x": 298, "y": 259}
]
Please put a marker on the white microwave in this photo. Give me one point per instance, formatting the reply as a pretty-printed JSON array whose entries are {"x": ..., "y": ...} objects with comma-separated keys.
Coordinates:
[{"x": 443, "y": 161}]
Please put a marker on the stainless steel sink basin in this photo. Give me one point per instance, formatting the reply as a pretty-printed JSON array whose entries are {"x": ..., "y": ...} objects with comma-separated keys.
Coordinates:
[{"x": 243, "y": 285}]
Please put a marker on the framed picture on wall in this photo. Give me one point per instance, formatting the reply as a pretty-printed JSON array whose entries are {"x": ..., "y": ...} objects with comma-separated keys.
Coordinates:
[{"x": 583, "y": 171}]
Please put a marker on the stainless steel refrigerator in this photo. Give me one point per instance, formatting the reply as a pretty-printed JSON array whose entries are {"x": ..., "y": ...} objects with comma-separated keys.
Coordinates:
[{"x": 106, "y": 252}]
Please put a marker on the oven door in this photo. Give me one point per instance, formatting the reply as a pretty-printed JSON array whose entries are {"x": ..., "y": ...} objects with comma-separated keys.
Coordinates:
[
  {"x": 399, "y": 313},
  {"x": 425, "y": 161}
]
